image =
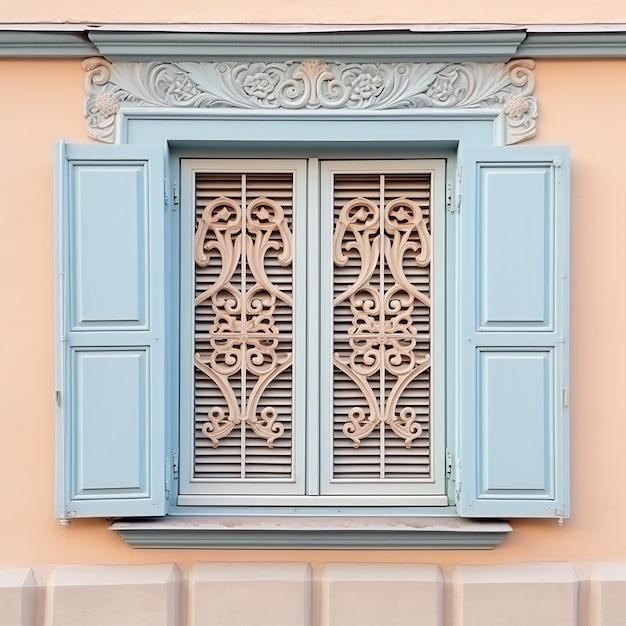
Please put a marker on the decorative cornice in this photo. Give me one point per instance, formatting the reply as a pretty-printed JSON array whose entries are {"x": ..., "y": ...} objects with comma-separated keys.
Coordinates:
[
  {"x": 380, "y": 46},
  {"x": 348, "y": 42},
  {"x": 574, "y": 45},
  {"x": 310, "y": 84},
  {"x": 45, "y": 44}
]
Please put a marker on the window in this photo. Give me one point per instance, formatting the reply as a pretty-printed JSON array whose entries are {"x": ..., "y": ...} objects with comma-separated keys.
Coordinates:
[
  {"x": 498, "y": 305},
  {"x": 313, "y": 280}
]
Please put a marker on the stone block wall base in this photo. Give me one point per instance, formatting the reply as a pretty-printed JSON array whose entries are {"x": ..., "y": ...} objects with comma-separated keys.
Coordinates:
[{"x": 299, "y": 594}]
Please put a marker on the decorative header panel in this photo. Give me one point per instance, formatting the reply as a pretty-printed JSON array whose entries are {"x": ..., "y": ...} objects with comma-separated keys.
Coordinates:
[{"x": 310, "y": 84}]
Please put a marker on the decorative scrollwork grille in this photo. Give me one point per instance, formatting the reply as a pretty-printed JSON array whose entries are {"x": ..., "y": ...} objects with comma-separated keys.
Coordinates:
[
  {"x": 382, "y": 326},
  {"x": 243, "y": 325}
]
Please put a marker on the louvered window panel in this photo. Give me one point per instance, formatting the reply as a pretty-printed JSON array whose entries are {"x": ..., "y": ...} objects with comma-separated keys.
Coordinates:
[
  {"x": 243, "y": 333},
  {"x": 382, "y": 327}
]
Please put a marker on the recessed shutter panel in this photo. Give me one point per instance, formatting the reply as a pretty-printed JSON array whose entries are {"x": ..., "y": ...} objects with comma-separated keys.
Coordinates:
[
  {"x": 244, "y": 351},
  {"x": 382, "y": 349},
  {"x": 110, "y": 251},
  {"x": 513, "y": 307}
]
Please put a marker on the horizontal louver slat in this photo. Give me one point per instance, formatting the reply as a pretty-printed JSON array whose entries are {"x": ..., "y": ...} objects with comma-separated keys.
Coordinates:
[
  {"x": 363, "y": 334},
  {"x": 242, "y": 454}
]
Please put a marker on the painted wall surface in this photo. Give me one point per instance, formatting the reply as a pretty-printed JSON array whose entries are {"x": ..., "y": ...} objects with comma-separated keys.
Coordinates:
[
  {"x": 323, "y": 12},
  {"x": 581, "y": 104}
]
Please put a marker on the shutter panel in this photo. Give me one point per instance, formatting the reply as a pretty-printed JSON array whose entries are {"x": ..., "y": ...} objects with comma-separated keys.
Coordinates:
[
  {"x": 248, "y": 423},
  {"x": 382, "y": 437},
  {"x": 513, "y": 368},
  {"x": 110, "y": 251},
  {"x": 231, "y": 209}
]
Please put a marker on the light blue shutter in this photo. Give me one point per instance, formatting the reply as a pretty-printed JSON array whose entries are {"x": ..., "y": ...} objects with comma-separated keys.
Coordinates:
[
  {"x": 110, "y": 360},
  {"x": 513, "y": 341}
]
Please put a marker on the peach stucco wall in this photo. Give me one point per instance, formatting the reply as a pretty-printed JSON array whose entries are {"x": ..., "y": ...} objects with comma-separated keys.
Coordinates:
[
  {"x": 581, "y": 104},
  {"x": 321, "y": 11}
]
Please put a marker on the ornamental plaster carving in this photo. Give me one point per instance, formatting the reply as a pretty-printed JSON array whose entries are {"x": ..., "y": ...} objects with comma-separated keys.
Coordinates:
[
  {"x": 382, "y": 336},
  {"x": 244, "y": 335},
  {"x": 310, "y": 84}
]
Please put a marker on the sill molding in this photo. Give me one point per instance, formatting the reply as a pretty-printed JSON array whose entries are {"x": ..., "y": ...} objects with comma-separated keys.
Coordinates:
[{"x": 313, "y": 532}]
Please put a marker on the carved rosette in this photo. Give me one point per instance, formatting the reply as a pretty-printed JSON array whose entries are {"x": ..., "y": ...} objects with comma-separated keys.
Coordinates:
[
  {"x": 382, "y": 336},
  {"x": 310, "y": 84},
  {"x": 244, "y": 337}
]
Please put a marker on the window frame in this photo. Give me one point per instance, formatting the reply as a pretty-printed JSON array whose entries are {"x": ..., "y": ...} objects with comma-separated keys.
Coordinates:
[
  {"x": 396, "y": 132},
  {"x": 313, "y": 269},
  {"x": 421, "y": 134}
]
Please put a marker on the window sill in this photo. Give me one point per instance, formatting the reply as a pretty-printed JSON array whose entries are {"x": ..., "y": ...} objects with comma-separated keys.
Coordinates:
[{"x": 310, "y": 532}]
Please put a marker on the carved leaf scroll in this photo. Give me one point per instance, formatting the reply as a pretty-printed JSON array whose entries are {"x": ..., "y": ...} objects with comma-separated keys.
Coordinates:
[
  {"x": 244, "y": 336},
  {"x": 382, "y": 336},
  {"x": 310, "y": 84}
]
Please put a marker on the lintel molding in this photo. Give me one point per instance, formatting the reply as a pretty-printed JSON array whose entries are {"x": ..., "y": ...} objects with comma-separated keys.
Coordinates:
[
  {"x": 308, "y": 85},
  {"x": 219, "y": 42}
]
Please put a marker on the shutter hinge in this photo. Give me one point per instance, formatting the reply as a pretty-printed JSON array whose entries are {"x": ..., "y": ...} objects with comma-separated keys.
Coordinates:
[
  {"x": 175, "y": 464},
  {"x": 458, "y": 480},
  {"x": 559, "y": 513},
  {"x": 448, "y": 463},
  {"x": 175, "y": 195},
  {"x": 57, "y": 398},
  {"x": 565, "y": 396},
  {"x": 453, "y": 206}
]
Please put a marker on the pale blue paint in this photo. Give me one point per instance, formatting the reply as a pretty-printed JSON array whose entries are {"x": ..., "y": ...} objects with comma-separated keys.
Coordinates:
[
  {"x": 472, "y": 310},
  {"x": 513, "y": 348},
  {"x": 111, "y": 414},
  {"x": 312, "y": 132},
  {"x": 108, "y": 242},
  {"x": 516, "y": 248},
  {"x": 515, "y": 424},
  {"x": 111, "y": 330}
]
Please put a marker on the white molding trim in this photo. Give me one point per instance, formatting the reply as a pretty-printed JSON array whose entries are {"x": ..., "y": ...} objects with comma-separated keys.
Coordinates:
[{"x": 309, "y": 85}]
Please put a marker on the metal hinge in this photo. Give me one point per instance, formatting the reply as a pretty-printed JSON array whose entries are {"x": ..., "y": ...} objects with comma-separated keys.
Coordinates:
[
  {"x": 453, "y": 207},
  {"x": 565, "y": 396},
  {"x": 175, "y": 464},
  {"x": 448, "y": 463},
  {"x": 57, "y": 398},
  {"x": 175, "y": 195}
]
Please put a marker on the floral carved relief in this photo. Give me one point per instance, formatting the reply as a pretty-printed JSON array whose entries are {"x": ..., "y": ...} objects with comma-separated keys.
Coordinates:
[
  {"x": 244, "y": 337},
  {"x": 382, "y": 336},
  {"x": 310, "y": 84}
]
